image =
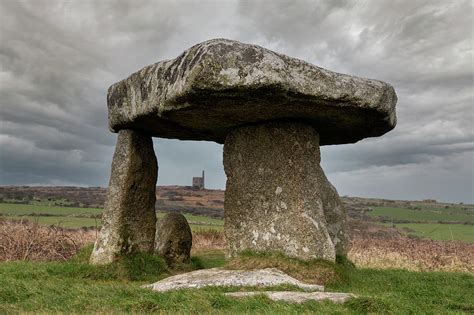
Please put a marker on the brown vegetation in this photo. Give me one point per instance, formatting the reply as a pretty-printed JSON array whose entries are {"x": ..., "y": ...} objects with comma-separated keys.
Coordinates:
[
  {"x": 412, "y": 254},
  {"x": 209, "y": 239},
  {"x": 31, "y": 241},
  {"x": 371, "y": 246}
]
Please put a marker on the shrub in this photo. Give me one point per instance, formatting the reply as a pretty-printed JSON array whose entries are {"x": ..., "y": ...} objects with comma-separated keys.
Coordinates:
[{"x": 30, "y": 241}]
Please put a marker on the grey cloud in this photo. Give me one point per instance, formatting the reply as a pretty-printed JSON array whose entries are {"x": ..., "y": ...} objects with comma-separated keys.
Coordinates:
[{"x": 58, "y": 59}]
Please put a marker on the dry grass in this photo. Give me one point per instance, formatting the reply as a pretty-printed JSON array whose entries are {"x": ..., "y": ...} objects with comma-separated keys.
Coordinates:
[
  {"x": 412, "y": 254},
  {"x": 210, "y": 239},
  {"x": 375, "y": 246},
  {"x": 31, "y": 241},
  {"x": 371, "y": 247}
]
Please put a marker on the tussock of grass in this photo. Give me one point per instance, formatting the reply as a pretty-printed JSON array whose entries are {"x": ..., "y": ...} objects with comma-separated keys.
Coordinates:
[
  {"x": 366, "y": 305},
  {"x": 207, "y": 258},
  {"x": 310, "y": 271},
  {"x": 139, "y": 267}
]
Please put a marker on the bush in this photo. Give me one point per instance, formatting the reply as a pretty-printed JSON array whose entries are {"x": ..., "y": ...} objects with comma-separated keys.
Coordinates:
[{"x": 30, "y": 241}]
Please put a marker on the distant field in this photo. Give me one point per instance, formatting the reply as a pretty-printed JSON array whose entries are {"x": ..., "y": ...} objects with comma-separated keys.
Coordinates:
[
  {"x": 424, "y": 214},
  {"x": 69, "y": 217},
  {"x": 60, "y": 221},
  {"x": 20, "y": 209},
  {"x": 75, "y": 217},
  {"x": 442, "y": 232},
  {"x": 197, "y": 218}
]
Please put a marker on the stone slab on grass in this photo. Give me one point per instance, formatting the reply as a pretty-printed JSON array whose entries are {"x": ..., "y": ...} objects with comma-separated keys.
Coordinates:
[
  {"x": 219, "y": 277},
  {"x": 296, "y": 297}
]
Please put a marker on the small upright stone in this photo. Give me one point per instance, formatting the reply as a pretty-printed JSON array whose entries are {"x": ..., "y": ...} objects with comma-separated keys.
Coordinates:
[
  {"x": 128, "y": 221},
  {"x": 174, "y": 239}
]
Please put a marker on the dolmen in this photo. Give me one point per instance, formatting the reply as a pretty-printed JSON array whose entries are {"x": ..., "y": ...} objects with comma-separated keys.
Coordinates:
[{"x": 272, "y": 113}]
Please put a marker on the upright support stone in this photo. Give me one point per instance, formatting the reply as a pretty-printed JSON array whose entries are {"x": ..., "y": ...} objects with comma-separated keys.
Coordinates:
[
  {"x": 336, "y": 217},
  {"x": 129, "y": 219},
  {"x": 277, "y": 195}
]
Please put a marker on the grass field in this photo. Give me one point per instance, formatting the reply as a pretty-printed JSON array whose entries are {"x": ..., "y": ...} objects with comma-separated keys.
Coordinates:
[
  {"x": 76, "y": 287},
  {"x": 20, "y": 209},
  {"x": 60, "y": 221},
  {"x": 426, "y": 214},
  {"x": 442, "y": 232},
  {"x": 197, "y": 218},
  {"x": 425, "y": 222},
  {"x": 69, "y": 217}
]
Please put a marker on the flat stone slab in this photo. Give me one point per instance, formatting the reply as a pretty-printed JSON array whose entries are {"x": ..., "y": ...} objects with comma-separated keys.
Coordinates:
[
  {"x": 225, "y": 278},
  {"x": 296, "y": 297},
  {"x": 219, "y": 85}
]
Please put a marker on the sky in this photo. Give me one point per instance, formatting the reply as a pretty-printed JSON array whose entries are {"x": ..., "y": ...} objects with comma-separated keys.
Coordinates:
[{"x": 57, "y": 59}]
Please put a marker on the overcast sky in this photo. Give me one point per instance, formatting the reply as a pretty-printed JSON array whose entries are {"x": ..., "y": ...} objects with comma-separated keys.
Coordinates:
[{"x": 59, "y": 57}]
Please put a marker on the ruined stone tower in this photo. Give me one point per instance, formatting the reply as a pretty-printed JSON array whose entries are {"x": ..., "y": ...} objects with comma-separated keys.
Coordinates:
[{"x": 198, "y": 182}]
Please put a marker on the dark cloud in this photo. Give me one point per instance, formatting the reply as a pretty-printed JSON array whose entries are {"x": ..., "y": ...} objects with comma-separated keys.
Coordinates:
[{"x": 59, "y": 57}]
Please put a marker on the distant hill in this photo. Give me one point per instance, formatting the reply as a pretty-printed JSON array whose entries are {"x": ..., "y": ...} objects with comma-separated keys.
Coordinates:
[{"x": 426, "y": 218}]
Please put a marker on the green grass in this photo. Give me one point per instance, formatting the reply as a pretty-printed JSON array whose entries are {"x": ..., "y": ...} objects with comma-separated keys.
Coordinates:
[
  {"x": 75, "y": 222},
  {"x": 428, "y": 215},
  {"x": 70, "y": 217},
  {"x": 209, "y": 258},
  {"x": 78, "y": 222},
  {"x": 442, "y": 232},
  {"x": 203, "y": 227},
  {"x": 55, "y": 202},
  {"x": 197, "y": 218},
  {"x": 20, "y": 209},
  {"x": 76, "y": 287}
]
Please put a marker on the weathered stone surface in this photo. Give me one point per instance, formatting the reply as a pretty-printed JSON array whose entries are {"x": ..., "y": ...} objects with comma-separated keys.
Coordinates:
[
  {"x": 128, "y": 220},
  {"x": 218, "y": 85},
  {"x": 277, "y": 196},
  {"x": 223, "y": 278},
  {"x": 335, "y": 215},
  {"x": 173, "y": 239},
  {"x": 296, "y": 297}
]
